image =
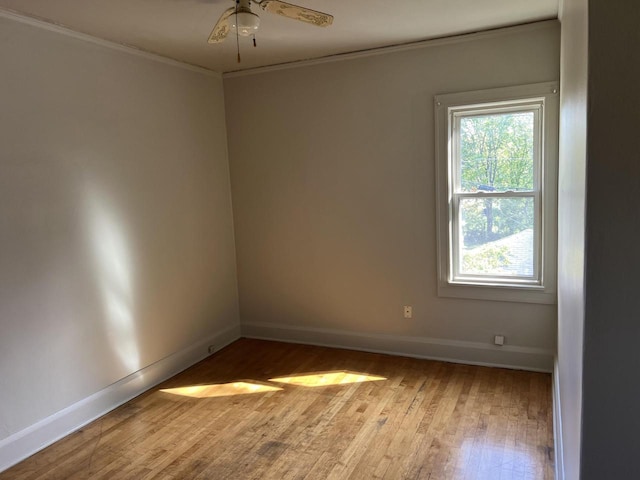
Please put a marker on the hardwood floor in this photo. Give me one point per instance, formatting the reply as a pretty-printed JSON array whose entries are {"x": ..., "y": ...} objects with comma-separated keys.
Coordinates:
[{"x": 354, "y": 416}]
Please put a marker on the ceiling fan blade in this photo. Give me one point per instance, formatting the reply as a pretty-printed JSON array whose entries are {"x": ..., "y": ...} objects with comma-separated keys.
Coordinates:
[
  {"x": 297, "y": 13},
  {"x": 221, "y": 30}
]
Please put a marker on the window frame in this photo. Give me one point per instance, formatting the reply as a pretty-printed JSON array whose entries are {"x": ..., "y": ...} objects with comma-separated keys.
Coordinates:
[{"x": 449, "y": 109}]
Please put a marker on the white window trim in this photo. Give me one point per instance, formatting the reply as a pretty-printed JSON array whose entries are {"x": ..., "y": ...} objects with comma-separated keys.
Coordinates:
[{"x": 544, "y": 290}]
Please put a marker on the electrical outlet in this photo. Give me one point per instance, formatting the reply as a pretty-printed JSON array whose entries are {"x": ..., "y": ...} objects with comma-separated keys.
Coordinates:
[
  {"x": 211, "y": 349},
  {"x": 408, "y": 311},
  {"x": 498, "y": 340}
]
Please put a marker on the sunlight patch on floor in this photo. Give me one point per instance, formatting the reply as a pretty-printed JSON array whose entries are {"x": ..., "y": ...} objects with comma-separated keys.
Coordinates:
[
  {"x": 221, "y": 390},
  {"x": 322, "y": 379}
]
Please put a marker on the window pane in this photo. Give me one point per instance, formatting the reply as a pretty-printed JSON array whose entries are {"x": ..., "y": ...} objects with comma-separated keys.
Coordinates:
[
  {"x": 497, "y": 236},
  {"x": 496, "y": 152}
]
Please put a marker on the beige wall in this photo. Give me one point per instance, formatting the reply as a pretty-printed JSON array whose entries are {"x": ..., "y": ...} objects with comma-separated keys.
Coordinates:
[
  {"x": 334, "y": 203},
  {"x": 116, "y": 238},
  {"x": 571, "y": 235}
]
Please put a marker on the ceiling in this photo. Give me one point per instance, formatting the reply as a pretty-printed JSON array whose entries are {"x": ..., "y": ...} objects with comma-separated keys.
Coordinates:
[{"x": 179, "y": 29}]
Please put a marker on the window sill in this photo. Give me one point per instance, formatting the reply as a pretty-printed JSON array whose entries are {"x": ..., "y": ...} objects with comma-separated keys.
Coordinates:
[{"x": 499, "y": 293}]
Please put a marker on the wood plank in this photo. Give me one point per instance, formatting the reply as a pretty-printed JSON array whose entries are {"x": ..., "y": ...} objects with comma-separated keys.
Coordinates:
[{"x": 426, "y": 419}]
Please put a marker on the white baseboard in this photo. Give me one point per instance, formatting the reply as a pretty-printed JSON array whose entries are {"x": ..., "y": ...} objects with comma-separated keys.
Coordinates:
[
  {"x": 26, "y": 442},
  {"x": 557, "y": 424},
  {"x": 474, "y": 353}
]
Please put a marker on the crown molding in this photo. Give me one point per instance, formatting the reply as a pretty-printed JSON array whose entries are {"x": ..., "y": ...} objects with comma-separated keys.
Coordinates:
[
  {"x": 430, "y": 43},
  {"x": 63, "y": 30},
  {"x": 132, "y": 50}
]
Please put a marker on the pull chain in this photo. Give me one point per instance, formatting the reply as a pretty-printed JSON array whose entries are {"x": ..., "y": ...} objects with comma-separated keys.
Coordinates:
[{"x": 237, "y": 35}]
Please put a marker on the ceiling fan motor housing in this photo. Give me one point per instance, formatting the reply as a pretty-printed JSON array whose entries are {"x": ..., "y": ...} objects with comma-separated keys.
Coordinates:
[{"x": 245, "y": 21}]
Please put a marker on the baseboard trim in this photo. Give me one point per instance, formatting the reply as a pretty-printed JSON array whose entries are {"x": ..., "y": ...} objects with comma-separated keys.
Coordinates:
[
  {"x": 474, "y": 353},
  {"x": 34, "y": 438},
  {"x": 557, "y": 424}
]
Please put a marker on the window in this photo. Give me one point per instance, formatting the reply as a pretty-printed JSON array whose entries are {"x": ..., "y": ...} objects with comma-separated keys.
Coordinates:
[{"x": 496, "y": 154}]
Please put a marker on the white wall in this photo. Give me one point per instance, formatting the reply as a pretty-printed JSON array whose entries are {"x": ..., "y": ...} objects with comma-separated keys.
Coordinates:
[
  {"x": 571, "y": 235},
  {"x": 334, "y": 202},
  {"x": 116, "y": 237}
]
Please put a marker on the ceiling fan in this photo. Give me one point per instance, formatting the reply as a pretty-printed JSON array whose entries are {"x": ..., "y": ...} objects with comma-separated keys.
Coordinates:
[{"x": 241, "y": 19}]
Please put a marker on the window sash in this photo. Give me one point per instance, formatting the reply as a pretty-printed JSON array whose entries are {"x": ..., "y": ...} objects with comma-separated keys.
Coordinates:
[
  {"x": 456, "y": 114},
  {"x": 457, "y": 276}
]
